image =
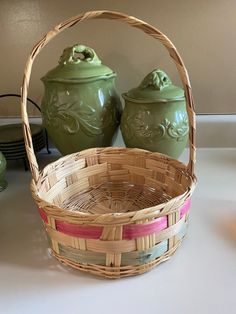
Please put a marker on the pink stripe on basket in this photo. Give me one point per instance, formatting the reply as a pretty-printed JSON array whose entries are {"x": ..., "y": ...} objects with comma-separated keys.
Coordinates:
[
  {"x": 131, "y": 231},
  {"x": 43, "y": 215},
  {"x": 85, "y": 232},
  {"x": 135, "y": 231},
  {"x": 185, "y": 208}
]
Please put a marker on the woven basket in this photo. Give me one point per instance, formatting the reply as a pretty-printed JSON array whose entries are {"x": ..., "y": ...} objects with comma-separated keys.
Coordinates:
[{"x": 113, "y": 212}]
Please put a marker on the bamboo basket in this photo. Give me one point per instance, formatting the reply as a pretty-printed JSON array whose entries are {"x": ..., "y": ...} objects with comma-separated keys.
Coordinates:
[{"x": 113, "y": 212}]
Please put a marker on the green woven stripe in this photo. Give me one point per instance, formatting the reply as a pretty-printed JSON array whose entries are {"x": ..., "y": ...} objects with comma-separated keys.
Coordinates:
[
  {"x": 83, "y": 257},
  {"x": 138, "y": 258},
  {"x": 183, "y": 231},
  {"x": 131, "y": 258}
]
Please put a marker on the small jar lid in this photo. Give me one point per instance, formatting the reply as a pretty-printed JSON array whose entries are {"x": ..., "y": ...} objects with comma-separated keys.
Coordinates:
[
  {"x": 79, "y": 64},
  {"x": 155, "y": 87}
]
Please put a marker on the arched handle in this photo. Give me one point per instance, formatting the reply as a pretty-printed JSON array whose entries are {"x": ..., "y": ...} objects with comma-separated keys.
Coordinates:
[{"x": 134, "y": 22}]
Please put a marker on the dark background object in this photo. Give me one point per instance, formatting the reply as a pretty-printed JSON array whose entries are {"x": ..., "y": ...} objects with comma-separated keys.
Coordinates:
[{"x": 15, "y": 149}]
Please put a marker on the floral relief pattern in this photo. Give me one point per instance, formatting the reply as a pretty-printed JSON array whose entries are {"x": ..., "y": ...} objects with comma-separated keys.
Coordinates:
[
  {"x": 74, "y": 116},
  {"x": 142, "y": 126}
]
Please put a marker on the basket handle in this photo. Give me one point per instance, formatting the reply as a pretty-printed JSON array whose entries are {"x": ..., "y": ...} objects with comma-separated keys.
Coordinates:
[{"x": 134, "y": 22}]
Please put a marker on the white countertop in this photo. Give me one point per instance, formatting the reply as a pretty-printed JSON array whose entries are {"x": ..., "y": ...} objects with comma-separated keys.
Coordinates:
[{"x": 200, "y": 278}]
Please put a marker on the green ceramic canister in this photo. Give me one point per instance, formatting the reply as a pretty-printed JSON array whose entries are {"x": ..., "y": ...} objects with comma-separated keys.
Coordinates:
[
  {"x": 3, "y": 183},
  {"x": 155, "y": 116},
  {"x": 80, "y": 106}
]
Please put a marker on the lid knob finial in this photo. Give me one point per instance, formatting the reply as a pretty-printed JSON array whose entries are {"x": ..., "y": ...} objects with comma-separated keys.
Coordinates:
[
  {"x": 79, "y": 53},
  {"x": 156, "y": 79}
]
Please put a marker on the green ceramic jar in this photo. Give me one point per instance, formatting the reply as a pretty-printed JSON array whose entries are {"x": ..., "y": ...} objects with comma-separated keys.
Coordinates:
[
  {"x": 3, "y": 183},
  {"x": 80, "y": 107},
  {"x": 155, "y": 116}
]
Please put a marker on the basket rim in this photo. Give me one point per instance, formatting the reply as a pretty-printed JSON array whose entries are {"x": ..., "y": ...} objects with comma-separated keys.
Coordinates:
[{"x": 155, "y": 210}]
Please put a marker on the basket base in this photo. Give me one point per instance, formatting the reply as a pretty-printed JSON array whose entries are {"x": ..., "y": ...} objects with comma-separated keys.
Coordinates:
[
  {"x": 117, "y": 272},
  {"x": 115, "y": 197}
]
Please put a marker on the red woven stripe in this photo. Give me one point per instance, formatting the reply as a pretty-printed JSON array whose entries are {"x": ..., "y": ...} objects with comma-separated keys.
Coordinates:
[
  {"x": 135, "y": 231},
  {"x": 185, "y": 208},
  {"x": 80, "y": 231},
  {"x": 131, "y": 231},
  {"x": 43, "y": 215}
]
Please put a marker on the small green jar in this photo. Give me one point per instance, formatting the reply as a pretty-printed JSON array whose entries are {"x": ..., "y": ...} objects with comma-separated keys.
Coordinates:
[
  {"x": 155, "y": 116},
  {"x": 3, "y": 182},
  {"x": 80, "y": 107}
]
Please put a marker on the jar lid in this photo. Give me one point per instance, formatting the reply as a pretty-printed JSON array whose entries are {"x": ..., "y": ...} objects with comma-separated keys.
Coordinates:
[
  {"x": 155, "y": 87},
  {"x": 79, "y": 64}
]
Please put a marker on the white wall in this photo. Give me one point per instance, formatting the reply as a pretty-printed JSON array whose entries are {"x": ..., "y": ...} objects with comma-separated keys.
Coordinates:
[{"x": 203, "y": 31}]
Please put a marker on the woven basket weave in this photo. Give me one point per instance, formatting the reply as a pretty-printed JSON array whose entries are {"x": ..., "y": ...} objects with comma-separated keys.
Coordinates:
[{"x": 113, "y": 212}]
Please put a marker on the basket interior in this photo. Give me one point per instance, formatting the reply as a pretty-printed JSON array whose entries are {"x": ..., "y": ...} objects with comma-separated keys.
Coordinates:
[{"x": 112, "y": 180}]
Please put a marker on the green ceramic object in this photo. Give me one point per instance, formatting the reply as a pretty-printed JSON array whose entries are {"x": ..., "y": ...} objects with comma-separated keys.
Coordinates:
[
  {"x": 3, "y": 183},
  {"x": 80, "y": 107},
  {"x": 155, "y": 116}
]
